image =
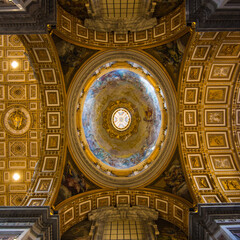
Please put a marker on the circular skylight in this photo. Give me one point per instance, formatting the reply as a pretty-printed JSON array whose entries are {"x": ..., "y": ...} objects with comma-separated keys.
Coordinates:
[{"x": 121, "y": 119}]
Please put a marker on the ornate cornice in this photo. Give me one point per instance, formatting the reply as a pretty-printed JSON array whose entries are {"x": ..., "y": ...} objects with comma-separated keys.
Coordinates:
[{"x": 31, "y": 17}]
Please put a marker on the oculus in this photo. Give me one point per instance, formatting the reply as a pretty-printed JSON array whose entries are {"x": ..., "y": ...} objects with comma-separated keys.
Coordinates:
[
  {"x": 17, "y": 120},
  {"x": 121, "y": 119}
]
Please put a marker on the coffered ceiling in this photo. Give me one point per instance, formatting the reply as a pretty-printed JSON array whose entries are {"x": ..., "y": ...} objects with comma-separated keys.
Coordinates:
[{"x": 39, "y": 96}]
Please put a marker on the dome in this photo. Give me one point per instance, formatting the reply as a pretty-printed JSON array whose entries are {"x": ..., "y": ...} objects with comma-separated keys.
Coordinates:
[{"x": 119, "y": 120}]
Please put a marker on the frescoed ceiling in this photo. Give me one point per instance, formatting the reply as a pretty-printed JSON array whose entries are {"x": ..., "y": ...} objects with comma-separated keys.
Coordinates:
[
  {"x": 122, "y": 155},
  {"x": 71, "y": 88},
  {"x": 121, "y": 118}
]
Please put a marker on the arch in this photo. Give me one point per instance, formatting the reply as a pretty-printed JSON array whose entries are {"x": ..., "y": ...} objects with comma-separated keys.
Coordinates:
[
  {"x": 170, "y": 207},
  {"x": 209, "y": 156},
  {"x": 46, "y": 179}
]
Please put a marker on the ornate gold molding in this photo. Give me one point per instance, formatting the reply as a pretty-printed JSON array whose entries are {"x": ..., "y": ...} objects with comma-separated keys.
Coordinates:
[
  {"x": 170, "y": 207},
  {"x": 169, "y": 27},
  {"x": 206, "y": 97},
  {"x": 47, "y": 175}
]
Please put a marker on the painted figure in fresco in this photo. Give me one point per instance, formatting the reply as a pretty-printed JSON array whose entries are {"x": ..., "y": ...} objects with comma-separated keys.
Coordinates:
[
  {"x": 72, "y": 183},
  {"x": 175, "y": 180},
  {"x": 171, "y": 53},
  {"x": 75, "y": 183},
  {"x": 148, "y": 115}
]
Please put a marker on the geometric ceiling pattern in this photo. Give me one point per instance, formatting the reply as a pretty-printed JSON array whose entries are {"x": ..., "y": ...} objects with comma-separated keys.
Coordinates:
[
  {"x": 209, "y": 116},
  {"x": 21, "y": 125},
  {"x": 117, "y": 9},
  {"x": 32, "y": 129}
]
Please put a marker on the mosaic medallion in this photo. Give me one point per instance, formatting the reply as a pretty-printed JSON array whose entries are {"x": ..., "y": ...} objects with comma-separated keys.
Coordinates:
[{"x": 17, "y": 120}]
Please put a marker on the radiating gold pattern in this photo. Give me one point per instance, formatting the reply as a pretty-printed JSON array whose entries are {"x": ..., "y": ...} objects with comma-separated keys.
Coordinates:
[{"x": 130, "y": 129}]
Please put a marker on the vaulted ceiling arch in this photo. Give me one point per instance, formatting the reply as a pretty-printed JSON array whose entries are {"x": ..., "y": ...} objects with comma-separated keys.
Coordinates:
[
  {"x": 208, "y": 102},
  {"x": 47, "y": 175}
]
